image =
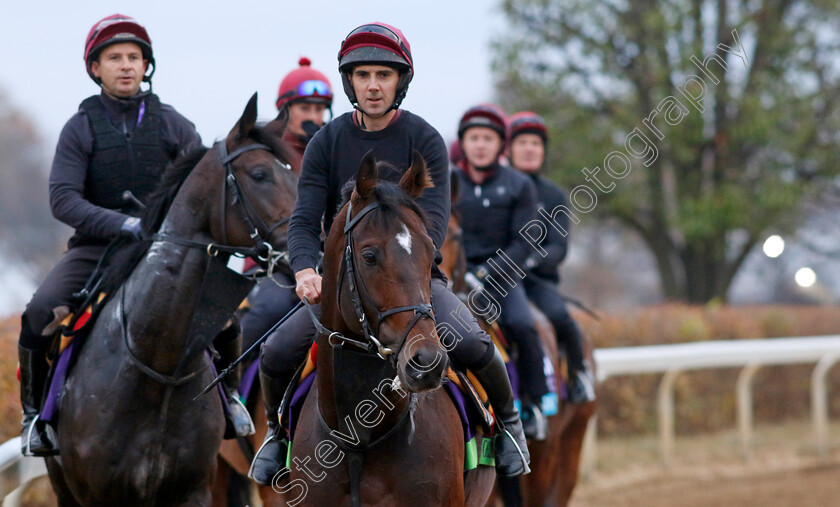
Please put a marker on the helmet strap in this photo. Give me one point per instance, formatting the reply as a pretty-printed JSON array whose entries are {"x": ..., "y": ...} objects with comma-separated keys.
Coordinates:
[
  {"x": 393, "y": 106},
  {"x": 148, "y": 78}
]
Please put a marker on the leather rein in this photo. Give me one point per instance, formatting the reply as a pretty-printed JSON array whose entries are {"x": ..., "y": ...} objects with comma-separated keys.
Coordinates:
[{"x": 349, "y": 271}]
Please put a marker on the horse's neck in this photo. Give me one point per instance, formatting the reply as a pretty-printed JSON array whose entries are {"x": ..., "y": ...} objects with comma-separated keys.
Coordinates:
[
  {"x": 354, "y": 393},
  {"x": 160, "y": 299}
]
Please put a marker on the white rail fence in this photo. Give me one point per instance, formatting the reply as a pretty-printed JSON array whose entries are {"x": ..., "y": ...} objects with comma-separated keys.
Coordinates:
[
  {"x": 671, "y": 360},
  {"x": 15, "y": 470},
  {"x": 749, "y": 355}
]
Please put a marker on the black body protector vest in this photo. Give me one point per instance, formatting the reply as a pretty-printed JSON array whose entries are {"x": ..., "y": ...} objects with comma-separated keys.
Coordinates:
[{"x": 120, "y": 161}]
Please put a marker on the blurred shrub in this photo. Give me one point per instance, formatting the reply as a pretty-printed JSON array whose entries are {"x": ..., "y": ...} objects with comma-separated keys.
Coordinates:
[{"x": 9, "y": 386}]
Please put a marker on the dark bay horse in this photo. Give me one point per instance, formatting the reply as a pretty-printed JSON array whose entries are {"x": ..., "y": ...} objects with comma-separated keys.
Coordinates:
[
  {"x": 375, "y": 429},
  {"x": 555, "y": 460},
  {"x": 130, "y": 431}
]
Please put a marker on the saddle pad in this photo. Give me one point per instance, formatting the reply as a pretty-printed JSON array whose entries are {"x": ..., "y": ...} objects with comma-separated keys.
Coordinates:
[{"x": 248, "y": 380}]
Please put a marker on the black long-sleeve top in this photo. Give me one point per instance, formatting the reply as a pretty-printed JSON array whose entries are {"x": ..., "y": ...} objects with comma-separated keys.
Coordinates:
[
  {"x": 333, "y": 157},
  {"x": 492, "y": 214},
  {"x": 73, "y": 155}
]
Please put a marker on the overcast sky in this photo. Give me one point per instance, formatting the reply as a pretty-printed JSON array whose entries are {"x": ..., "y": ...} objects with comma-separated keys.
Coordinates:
[{"x": 212, "y": 55}]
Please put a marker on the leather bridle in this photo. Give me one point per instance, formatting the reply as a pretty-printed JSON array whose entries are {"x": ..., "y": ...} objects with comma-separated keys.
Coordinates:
[
  {"x": 260, "y": 232},
  {"x": 349, "y": 271}
]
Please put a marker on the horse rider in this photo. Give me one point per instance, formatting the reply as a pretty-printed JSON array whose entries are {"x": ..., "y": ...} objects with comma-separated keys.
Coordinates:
[
  {"x": 119, "y": 141},
  {"x": 528, "y": 142},
  {"x": 376, "y": 68},
  {"x": 304, "y": 96},
  {"x": 495, "y": 202}
]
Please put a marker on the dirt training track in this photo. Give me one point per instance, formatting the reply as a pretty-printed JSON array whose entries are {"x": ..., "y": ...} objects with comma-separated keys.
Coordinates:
[{"x": 816, "y": 486}]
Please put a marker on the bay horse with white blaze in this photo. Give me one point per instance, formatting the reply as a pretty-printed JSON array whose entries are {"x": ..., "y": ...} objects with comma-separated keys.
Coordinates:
[
  {"x": 129, "y": 429},
  {"x": 375, "y": 430}
]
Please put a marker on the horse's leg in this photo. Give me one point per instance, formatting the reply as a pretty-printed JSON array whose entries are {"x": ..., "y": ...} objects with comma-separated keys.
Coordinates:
[
  {"x": 478, "y": 484},
  {"x": 201, "y": 497},
  {"x": 570, "y": 447},
  {"x": 59, "y": 484},
  {"x": 220, "y": 486}
]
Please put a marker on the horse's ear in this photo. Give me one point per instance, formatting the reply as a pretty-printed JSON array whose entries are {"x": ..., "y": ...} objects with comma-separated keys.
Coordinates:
[
  {"x": 366, "y": 178},
  {"x": 246, "y": 122},
  {"x": 277, "y": 126},
  {"x": 453, "y": 186},
  {"x": 416, "y": 179}
]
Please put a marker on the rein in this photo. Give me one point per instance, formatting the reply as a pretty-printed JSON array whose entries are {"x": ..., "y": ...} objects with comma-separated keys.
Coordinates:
[
  {"x": 372, "y": 343},
  {"x": 167, "y": 380},
  {"x": 261, "y": 251}
]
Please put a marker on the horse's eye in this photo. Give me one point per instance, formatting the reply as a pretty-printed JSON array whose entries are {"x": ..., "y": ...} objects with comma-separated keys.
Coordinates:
[
  {"x": 258, "y": 175},
  {"x": 369, "y": 258}
]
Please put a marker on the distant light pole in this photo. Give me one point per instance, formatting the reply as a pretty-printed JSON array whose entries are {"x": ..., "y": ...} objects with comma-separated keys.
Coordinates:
[
  {"x": 774, "y": 246},
  {"x": 805, "y": 277}
]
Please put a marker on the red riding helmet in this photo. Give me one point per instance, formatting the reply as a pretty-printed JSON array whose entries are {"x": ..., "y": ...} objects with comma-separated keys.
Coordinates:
[
  {"x": 526, "y": 122},
  {"x": 484, "y": 115},
  {"x": 378, "y": 44},
  {"x": 304, "y": 84},
  {"x": 114, "y": 29}
]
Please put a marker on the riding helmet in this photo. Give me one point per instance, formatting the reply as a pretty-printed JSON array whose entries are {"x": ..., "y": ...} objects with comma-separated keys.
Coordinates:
[
  {"x": 114, "y": 29},
  {"x": 527, "y": 122},
  {"x": 304, "y": 84},
  {"x": 484, "y": 115},
  {"x": 376, "y": 44}
]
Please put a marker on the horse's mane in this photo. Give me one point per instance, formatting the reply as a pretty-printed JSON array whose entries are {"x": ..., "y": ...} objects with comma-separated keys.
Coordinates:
[
  {"x": 391, "y": 198},
  {"x": 127, "y": 253}
]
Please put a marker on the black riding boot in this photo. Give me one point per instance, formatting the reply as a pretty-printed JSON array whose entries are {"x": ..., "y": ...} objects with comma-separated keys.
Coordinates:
[
  {"x": 228, "y": 344},
  {"x": 37, "y": 437},
  {"x": 271, "y": 457},
  {"x": 512, "y": 457}
]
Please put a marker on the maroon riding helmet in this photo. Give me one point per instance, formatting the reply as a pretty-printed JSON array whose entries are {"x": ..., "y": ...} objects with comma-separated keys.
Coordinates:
[
  {"x": 376, "y": 44},
  {"x": 115, "y": 29},
  {"x": 484, "y": 115},
  {"x": 527, "y": 122}
]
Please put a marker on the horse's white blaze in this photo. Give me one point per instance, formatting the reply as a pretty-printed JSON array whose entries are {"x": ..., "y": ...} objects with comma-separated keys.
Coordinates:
[{"x": 404, "y": 239}]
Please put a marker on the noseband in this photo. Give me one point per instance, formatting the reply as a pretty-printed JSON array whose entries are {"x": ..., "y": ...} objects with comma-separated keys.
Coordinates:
[{"x": 372, "y": 343}]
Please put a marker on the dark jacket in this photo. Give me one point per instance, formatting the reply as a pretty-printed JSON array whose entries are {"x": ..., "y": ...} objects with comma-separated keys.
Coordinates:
[
  {"x": 549, "y": 196},
  {"x": 70, "y": 199},
  {"x": 492, "y": 214}
]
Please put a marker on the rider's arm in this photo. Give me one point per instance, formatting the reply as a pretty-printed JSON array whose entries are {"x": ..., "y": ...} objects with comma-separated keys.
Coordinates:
[
  {"x": 313, "y": 193},
  {"x": 436, "y": 201},
  {"x": 67, "y": 184},
  {"x": 557, "y": 244}
]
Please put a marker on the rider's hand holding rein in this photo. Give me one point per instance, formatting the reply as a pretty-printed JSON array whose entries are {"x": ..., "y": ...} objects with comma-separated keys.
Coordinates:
[{"x": 308, "y": 285}]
